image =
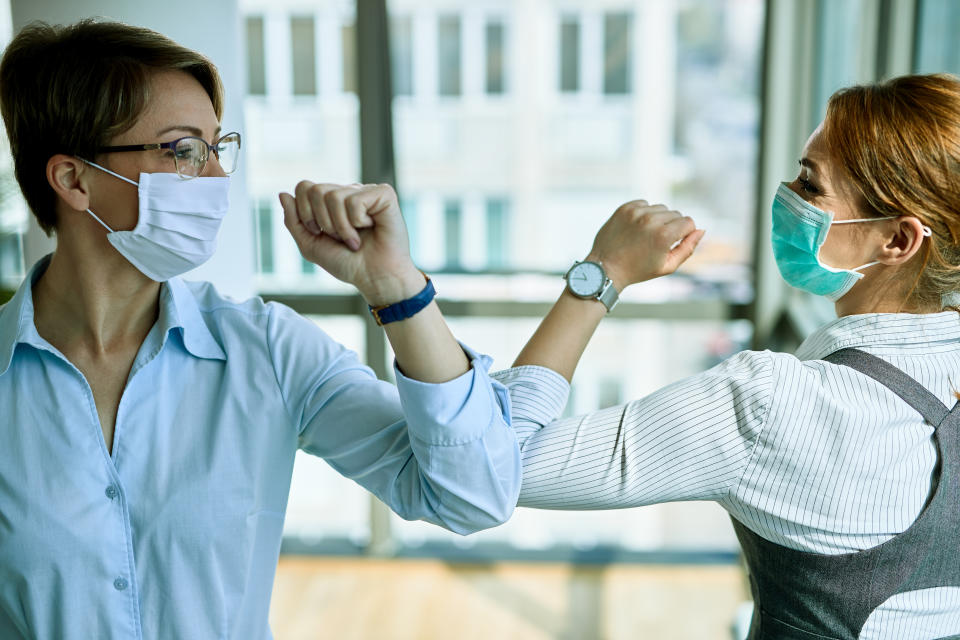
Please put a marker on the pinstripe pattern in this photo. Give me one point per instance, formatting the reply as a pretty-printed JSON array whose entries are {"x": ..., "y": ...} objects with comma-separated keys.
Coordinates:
[{"x": 810, "y": 455}]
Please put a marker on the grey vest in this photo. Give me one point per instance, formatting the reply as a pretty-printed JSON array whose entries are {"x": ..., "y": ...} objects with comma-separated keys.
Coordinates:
[{"x": 800, "y": 595}]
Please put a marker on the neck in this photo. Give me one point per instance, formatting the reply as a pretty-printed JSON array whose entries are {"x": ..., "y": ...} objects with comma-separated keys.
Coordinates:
[
  {"x": 880, "y": 292},
  {"x": 91, "y": 298}
]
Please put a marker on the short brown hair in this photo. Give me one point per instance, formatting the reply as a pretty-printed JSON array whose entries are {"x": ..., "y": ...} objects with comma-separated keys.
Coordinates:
[
  {"x": 71, "y": 89},
  {"x": 899, "y": 142}
]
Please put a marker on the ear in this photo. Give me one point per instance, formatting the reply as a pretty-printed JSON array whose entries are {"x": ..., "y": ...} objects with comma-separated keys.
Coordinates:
[
  {"x": 65, "y": 174},
  {"x": 904, "y": 243}
]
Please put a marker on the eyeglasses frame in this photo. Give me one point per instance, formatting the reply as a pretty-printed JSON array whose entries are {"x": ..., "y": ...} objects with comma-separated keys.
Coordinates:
[{"x": 172, "y": 145}]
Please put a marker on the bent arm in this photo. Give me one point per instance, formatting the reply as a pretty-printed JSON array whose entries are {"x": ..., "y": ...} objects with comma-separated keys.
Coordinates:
[
  {"x": 689, "y": 441},
  {"x": 440, "y": 452}
]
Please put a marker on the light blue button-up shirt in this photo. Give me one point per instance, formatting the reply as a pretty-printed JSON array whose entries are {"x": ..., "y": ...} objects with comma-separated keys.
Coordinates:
[{"x": 177, "y": 533}]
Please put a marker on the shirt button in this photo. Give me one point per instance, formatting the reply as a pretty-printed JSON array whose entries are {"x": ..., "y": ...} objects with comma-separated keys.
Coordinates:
[
  {"x": 120, "y": 584},
  {"x": 111, "y": 492}
]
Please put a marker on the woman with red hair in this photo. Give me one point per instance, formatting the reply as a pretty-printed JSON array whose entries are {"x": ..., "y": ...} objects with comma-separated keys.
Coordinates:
[{"x": 839, "y": 465}]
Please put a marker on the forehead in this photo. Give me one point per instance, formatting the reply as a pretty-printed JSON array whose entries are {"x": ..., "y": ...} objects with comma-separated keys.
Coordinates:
[{"x": 174, "y": 98}]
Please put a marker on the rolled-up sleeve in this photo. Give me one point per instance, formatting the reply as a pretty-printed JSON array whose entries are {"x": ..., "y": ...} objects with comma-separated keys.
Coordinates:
[
  {"x": 538, "y": 396},
  {"x": 444, "y": 453}
]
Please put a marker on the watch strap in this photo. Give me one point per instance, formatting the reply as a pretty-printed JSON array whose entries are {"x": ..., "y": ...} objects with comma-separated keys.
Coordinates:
[
  {"x": 608, "y": 295},
  {"x": 385, "y": 314}
]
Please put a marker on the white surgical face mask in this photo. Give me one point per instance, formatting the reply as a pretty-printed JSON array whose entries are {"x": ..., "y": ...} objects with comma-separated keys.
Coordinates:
[{"x": 178, "y": 225}]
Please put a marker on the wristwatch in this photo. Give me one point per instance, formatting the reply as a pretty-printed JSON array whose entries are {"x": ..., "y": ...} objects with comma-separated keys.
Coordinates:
[{"x": 587, "y": 279}]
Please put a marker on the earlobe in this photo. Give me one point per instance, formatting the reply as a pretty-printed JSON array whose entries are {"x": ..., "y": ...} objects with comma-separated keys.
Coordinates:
[{"x": 64, "y": 175}]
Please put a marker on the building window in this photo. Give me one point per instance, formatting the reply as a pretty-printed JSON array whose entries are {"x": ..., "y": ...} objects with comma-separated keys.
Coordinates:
[
  {"x": 304, "y": 56},
  {"x": 306, "y": 267},
  {"x": 452, "y": 226},
  {"x": 408, "y": 207},
  {"x": 448, "y": 45},
  {"x": 616, "y": 53},
  {"x": 256, "y": 57},
  {"x": 11, "y": 258},
  {"x": 348, "y": 38},
  {"x": 401, "y": 43},
  {"x": 496, "y": 57},
  {"x": 569, "y": 54},
  {"x": 609, "y": 393},
  {"x": 263, "y": 234},
  {"x": 497, "y": 233}
]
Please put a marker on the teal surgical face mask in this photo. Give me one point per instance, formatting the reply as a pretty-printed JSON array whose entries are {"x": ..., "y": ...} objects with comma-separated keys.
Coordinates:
[{"x": 799, "y": 230}]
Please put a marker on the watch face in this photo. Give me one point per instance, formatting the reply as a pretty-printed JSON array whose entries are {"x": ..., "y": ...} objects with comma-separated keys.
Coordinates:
[{"x": 586, "y": 279}]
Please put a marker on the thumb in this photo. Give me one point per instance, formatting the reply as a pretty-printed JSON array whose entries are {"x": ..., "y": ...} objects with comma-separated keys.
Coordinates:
[{"x": 685, "y": 249}]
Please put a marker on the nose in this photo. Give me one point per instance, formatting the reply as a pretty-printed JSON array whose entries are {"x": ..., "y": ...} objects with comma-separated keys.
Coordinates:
[{"x": 213, "y": 168}]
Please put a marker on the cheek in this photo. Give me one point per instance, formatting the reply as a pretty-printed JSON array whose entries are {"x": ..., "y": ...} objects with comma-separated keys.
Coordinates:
[
  {"x": 117, "y": 206},
  {"x": 845, "y": 247}
]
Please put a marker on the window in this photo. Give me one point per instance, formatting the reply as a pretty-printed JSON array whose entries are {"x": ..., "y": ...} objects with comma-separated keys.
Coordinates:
[
  {"x": 497, "y": 233},
  {"x": 263, "y": 234},
  {"x": 348, "y": 36},
  {"x": 452, "y": 224},
  {"x": 610, "y": 393},
  {"x": 448, "y": 50},
  {"x": 569, "y": 54},
  {"x": 306, "y": 267},
  {"x": 401, "y": 45},
  {"x": 937, "y": 44},
  {"x": 256, "y": 58},
  {"x": 616, "y": 53},
  {"x": 408, "y": 206},
  {"x": 11, "y": 259},
  {"x": 496, "y": 60},
  {"x": 304, "y": 56}
]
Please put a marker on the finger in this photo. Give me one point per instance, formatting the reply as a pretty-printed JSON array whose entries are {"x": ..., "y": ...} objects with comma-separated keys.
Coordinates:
[
  {"x": 357, "y": 214},
  {"x": 304, "y": 206},
  {"x": 685, "y": 249},
  {"x": 291, "y": 219},
  {"x": 336, "y": 209},
  {"x": 315, "y": 195}
]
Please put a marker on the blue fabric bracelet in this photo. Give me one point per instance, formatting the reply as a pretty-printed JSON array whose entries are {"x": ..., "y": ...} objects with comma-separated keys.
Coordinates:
[{"x": 405, "y": 308}]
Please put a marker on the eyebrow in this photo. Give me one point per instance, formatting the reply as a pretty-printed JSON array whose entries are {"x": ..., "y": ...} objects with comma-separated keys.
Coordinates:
[
  {"x": 184, "y": 127},
  {"x": 809, "y": 164}
]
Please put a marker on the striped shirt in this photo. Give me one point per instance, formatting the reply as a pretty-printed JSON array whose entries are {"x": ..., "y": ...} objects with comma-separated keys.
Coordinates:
[{"x": 810, "y": 455}]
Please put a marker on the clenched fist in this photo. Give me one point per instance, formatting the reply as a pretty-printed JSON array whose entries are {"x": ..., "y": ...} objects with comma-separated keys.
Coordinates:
[
  {"x": 356, "y": 233},
  {"x": 641, "y": 242}
]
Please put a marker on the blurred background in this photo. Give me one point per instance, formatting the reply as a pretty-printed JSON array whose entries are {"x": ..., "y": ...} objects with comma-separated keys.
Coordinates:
[{"x": 512, "y": 129}]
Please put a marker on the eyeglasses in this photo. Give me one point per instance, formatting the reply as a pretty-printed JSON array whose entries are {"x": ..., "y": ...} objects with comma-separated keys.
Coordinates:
[{"x": 190, "y": 153}]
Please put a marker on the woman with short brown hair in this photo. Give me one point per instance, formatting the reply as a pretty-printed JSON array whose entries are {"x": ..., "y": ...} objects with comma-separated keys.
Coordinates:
[{"x": 149, "y": 425}]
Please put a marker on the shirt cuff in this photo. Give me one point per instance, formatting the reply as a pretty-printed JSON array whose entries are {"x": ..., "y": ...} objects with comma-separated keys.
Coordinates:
[
  {"x": 457, "y": 411},
  {"x": 537, "y": 394}
]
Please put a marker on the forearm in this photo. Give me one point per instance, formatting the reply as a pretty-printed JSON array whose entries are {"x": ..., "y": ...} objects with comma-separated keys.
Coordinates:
[
  {"x": 423, "y": 344},
  {"x": 562, "y": 337}
]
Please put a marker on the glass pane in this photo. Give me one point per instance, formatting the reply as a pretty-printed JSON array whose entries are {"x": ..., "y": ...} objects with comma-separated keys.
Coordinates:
[
  {"x": 263, "y": 233},
  {"x": 616, "y": 53},
  {"x": 569, "y": 54},
  {"x": 349, "y": 39},
  {"x": 401, "y": 44},
  {"x": 448, "y": 55},
  {"x": 304, "y": 56},
  {"x": 495, "y": 57},
  {"x": 498, "y": 236},
  {"x": 938, "y": 44},
  {"x": 256, "y": 62},
  {"x": 840, "y": 39},
  {"x": 452, "y": 233},
  {"x": 286, "y": 139}
]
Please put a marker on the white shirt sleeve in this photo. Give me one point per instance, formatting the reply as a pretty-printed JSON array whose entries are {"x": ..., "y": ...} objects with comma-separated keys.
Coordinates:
[{"x": 691, "y": 440}]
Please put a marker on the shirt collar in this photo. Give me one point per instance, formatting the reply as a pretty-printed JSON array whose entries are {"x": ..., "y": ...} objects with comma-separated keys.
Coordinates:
[
  {"x": 178, "y": 310},
  {"x": 900, "y": 332}
]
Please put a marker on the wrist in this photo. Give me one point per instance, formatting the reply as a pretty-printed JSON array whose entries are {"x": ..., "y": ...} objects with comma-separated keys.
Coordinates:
[
  {"x": 393, "y": 287},
  {"x": 619, "y": 282}
]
